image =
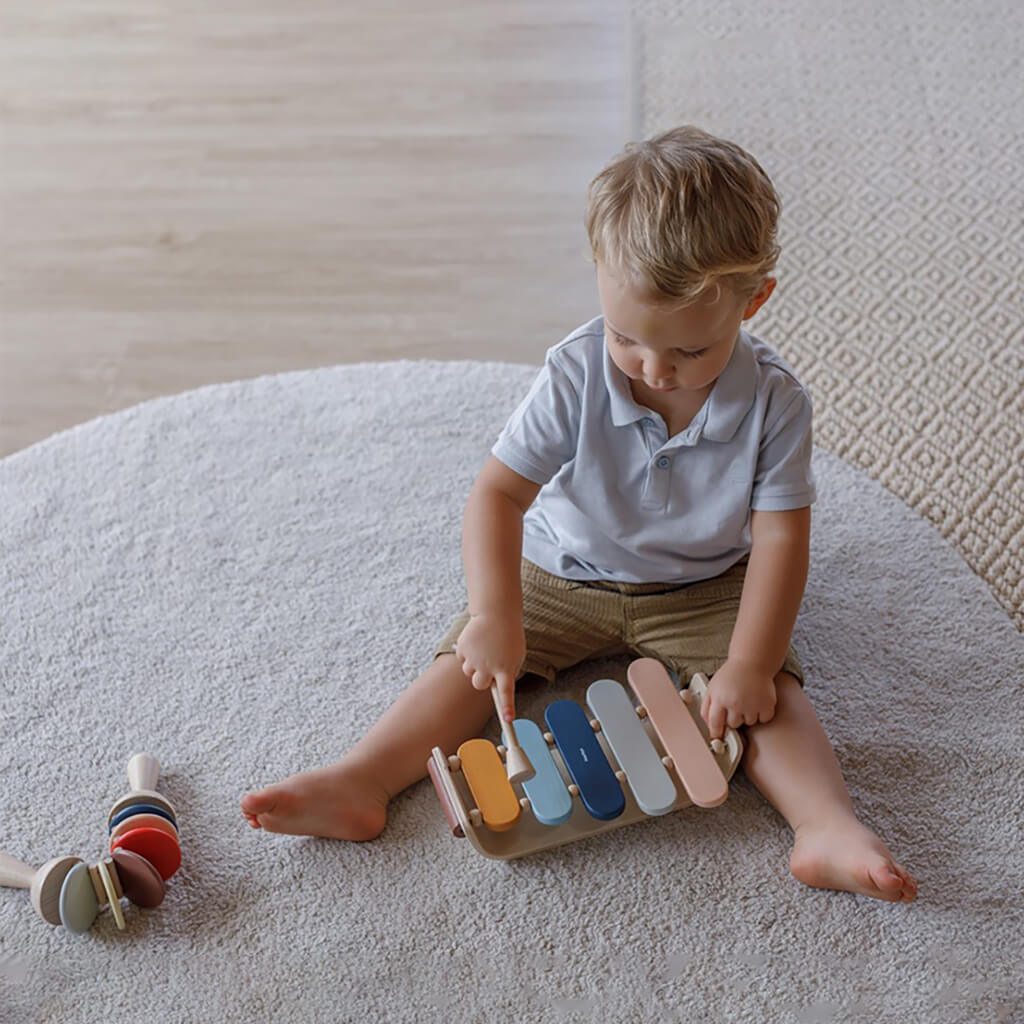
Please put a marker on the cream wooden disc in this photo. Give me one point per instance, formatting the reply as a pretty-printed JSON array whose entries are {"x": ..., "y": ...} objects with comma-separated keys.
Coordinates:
[
  {"x": 142, "y": 796},
  {"x": 112, "y": 898}
]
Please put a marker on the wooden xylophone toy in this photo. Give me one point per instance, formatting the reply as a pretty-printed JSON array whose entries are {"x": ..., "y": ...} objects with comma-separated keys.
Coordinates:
[
  {"x": 144, "y": 846},
  {"x": 590, "y": 775}
]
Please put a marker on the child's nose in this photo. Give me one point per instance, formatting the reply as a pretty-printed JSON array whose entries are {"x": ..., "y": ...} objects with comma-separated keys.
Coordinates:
[{"x": 658, "y": 366}]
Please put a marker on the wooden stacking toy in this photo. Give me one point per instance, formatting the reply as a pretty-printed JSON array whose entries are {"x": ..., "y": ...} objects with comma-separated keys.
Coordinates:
[
  {"x": 590, "y": 775},
  {"x": 143, "y": 852},
  {"x": 156, "y": 840},
  {"x": 65, "y": 891}
]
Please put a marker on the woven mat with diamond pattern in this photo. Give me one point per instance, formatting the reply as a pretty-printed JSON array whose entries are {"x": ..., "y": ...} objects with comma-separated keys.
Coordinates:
[{"x": 895, "y": 136}]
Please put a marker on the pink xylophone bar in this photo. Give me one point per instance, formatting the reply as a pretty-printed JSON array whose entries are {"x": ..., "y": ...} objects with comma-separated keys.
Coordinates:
[{"x": 592, "y": 775}]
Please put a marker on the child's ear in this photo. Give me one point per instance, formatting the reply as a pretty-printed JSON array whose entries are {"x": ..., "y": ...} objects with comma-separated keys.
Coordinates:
[{"x": 759, "y": 298}]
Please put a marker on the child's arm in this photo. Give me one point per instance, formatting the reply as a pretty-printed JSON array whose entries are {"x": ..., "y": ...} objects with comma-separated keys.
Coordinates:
[
  {"x": 492, "y": 646},
  {"x": 742, "y": 691}
]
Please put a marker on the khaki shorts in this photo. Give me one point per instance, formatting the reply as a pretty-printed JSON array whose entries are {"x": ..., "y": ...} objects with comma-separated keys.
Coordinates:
[{"x": 687, "y": 626}]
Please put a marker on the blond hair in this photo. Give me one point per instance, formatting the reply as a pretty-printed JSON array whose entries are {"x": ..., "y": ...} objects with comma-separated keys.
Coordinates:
[{"x": 684, "y": 212}]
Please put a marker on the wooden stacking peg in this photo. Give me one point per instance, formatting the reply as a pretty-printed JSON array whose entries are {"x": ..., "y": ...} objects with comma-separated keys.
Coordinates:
[
  {"x": 44, "y": 885},
  {"x": 143, "y": 774},
  {"x": 155, "y": 840},
  {"x": 517, "y": 764}
]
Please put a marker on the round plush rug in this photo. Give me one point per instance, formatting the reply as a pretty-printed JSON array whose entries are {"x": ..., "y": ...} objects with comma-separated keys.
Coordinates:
[{"x": 240, "y": 579}]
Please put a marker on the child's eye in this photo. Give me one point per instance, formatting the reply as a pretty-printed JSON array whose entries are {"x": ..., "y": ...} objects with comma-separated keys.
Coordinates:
[
  {"x": 692, "y": 355},
  {"x": 620, "y": 340}
]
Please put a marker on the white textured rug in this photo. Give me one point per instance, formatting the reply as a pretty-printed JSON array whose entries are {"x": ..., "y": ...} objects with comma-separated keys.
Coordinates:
[
  {"x": 239, "y": 579},
  {"x": 895, "y": 135}
]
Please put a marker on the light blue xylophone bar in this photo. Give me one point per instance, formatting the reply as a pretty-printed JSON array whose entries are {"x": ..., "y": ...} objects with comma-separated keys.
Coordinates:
[{"x": 550, "y": 801}]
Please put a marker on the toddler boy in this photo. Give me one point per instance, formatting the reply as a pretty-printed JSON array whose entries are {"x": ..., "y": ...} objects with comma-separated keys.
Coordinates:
[{"x": 651, "y": 495}]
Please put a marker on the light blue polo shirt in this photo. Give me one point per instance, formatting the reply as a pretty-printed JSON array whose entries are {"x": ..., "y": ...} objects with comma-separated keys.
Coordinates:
[{"x": 623, "y": 501}]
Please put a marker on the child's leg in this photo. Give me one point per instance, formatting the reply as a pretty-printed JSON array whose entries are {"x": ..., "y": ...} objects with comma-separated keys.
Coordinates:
[
  {"x": 792, "y": 763},
  {"x": 564, "y": 623},
  {"x": 348, "y": 799}
]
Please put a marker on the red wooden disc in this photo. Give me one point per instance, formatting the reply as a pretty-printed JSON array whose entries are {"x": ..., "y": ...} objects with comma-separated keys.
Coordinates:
[{"x": 160, "y": 849}]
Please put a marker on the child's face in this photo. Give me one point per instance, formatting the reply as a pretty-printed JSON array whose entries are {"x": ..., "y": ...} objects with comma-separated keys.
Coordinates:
[{"x": 672, "y": 353}]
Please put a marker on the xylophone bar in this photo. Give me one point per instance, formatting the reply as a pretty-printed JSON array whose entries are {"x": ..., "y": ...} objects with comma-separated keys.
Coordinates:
[
  {"x": 585, "y": 760},
  {"x": 683, "y": 741},
  {"x": 549, "y": 799},
  {"x": 588, "y": 759},
  {"x": 488, "y": 782},
  {"x": 650, "y": 783}
]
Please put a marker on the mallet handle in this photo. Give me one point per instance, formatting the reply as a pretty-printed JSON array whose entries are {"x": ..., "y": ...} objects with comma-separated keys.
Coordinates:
[
  {"x": 508, "y": 730},
  {"x": 14, "y": 874}
]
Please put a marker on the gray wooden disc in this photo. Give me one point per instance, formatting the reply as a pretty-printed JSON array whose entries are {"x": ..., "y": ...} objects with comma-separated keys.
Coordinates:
[{"x": 78, "y": 903}]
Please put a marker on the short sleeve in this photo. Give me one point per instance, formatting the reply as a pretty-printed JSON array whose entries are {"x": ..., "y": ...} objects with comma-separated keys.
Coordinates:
[
  {"x": 784, "y": 479},
  {"x": 542, "y": 434}
]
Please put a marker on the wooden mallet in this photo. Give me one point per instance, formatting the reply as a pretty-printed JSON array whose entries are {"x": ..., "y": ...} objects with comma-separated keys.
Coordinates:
[{"x": 517, "y": 764}]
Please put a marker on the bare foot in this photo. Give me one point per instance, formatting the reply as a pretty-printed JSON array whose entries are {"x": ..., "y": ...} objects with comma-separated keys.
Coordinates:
[
  {"x": 335, "y": 802},
  {"x": 844, "y": 854}
]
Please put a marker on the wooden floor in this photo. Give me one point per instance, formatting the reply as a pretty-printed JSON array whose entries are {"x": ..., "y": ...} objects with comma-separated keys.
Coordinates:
[{"x": 194, "y": 193}]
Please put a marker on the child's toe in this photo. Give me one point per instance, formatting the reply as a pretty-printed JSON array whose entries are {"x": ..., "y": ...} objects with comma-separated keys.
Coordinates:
[
  {"x": 895, "y": 883},
  {"x": 260, "y": 802}
]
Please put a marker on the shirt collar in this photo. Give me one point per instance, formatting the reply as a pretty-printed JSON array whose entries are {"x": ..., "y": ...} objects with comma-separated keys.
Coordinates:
[
  {"x": 733, "y": 394},
  {"x": 624, "y": 407},
  {"x": 727, "y": 406}
]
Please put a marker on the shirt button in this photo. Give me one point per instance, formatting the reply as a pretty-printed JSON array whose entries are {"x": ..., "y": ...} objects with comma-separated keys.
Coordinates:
[{"x": 663, "y": 462}]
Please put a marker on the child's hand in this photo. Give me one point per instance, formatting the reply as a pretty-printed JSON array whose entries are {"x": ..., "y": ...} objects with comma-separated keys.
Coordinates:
[
  {"x": 491, "y": 649},
  {"x": 738, "y": 695}
]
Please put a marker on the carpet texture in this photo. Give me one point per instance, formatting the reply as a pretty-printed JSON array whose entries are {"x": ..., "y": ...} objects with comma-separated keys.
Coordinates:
[
  {"x": 895, "y": 135},
  {"x": 240, "y": 579}
]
